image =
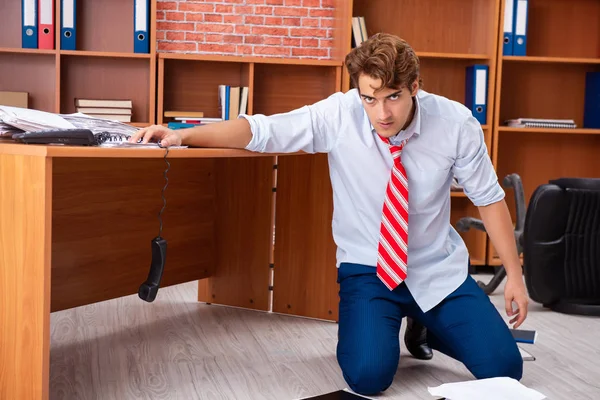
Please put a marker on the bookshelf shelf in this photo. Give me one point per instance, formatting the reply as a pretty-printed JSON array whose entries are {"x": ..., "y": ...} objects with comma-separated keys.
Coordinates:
[
  {"x": 10, "y": 28},
  {"x": 563, "y": 28},
  {"x": 189, "y": 82},
  {"x": 460, "y": 56},
  {"x": 543, "y": 90},
  {"x": 564, "y": 60},
  {"x": 279, "y": 87},
  {"x": 107, "y": 26},
  {"x": 457, "y": 194},
  {"x": 104, "y": 78},
  {"x": 33, "y": 73},
  {"x": 106, "y": 54},
  {"x": 10, "y": 50},
  {"x": 252, "y": 59},
  {"x": 575, "y": 131},
  {"x": 435, "y": 26},
  {"x": 563, "y": 45},
  {"x": 192, "y": 85}
]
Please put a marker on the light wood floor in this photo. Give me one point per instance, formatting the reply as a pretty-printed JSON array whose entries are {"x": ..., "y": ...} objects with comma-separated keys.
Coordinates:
[{"x": 176, "y": 348}]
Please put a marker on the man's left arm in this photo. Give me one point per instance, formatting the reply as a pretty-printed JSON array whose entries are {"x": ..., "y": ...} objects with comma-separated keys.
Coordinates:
[{"x": 474, "y": 171}]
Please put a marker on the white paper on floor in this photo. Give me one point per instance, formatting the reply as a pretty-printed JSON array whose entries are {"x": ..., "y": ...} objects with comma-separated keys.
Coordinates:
[{"x": 489, "y": 389}]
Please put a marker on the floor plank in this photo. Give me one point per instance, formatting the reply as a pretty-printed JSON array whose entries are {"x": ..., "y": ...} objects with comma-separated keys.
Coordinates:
[{"x": 177, "y": 348}]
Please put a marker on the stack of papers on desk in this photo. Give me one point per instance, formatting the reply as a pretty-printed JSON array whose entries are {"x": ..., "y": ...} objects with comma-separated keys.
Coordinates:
[
  {"x": 99, "y": 125},
  {"x": 488, "y": 389},
  {"x": 30, "y": 120},
  {"x": 7, "y": 130},
  {"x": 108, "y": 133}
]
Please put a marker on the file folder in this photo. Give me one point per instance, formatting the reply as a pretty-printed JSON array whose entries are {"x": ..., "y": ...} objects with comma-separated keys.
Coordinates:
[
  {"x": 507, "y": 46},
  {"x": 29, "y": 24},
  {"x": 141, "y": 16},
  {"x": 46, "y": 24},
  {"x": 476, "y": 84},
  {"x": 591, "y": 108},
  {"x": 520, "y": 28},
  {"x": 68, "y": 31}
]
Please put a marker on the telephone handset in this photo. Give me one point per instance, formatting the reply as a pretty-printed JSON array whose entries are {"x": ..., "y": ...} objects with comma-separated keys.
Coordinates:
[{"x": 149, "y": 289}]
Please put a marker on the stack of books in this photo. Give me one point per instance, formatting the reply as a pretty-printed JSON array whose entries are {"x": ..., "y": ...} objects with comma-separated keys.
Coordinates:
[
  {"x": 188, "y": 119},
  {"x": 116, "y": 110},
  {"x": 541, "y": 123}
]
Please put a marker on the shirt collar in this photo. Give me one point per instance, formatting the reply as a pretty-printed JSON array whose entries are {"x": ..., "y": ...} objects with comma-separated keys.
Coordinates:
[{"x": 413, "y": 129}]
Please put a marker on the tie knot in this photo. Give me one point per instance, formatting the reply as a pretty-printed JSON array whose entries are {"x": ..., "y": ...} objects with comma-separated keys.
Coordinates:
[{"x": 396, "y": 151}]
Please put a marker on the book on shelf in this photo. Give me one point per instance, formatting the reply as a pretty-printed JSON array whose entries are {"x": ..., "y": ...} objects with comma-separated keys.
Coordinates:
[
  {"x": 591, "y": 109},
  {"x": 183, "y": 114},
  {"x": 541, "y": 123},
  {"x": 191, "y": 117},
  {"x": 359, "y": 31},
  {"x": 111, "y": 109},
  {"x": 233, "y": 101},
  {"x": 14, "y": 99}
]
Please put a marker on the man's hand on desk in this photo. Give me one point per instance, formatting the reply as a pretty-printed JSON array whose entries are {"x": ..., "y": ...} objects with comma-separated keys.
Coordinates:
[{"x": 164, "y": 136}]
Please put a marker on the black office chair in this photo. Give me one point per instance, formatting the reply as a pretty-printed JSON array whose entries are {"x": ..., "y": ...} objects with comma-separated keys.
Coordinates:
[{"x": 559, "y": 237}]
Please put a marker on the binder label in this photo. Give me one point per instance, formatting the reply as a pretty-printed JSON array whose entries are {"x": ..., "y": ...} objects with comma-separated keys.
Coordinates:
[
  {"x": 508, "y": 15},
  {"x": 29, "y": 13},
  {"x": 521, "y": 25},
  {"x": 480, "y": 81},
  {"x": 140, "y": 15},
  {"x": 68, "y": 14},
  {"x": 46, "y": 13}
]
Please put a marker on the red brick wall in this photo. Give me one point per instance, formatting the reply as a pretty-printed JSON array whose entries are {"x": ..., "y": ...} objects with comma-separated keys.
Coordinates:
[{"x": 270, "y": 28}]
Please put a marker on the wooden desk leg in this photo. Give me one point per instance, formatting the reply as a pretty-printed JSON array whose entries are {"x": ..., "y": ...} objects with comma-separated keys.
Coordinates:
[{"x": 25, "y": 229}]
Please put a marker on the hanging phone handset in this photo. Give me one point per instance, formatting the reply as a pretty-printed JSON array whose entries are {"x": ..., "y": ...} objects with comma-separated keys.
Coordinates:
[{"x": 149, "y": 289}]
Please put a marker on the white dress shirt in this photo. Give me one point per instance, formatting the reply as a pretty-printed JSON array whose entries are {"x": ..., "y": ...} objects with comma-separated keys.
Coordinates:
[{"x": 445, "y": 141}]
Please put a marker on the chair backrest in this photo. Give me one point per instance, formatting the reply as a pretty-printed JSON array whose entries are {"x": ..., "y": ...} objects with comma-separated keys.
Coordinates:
[{"x": 561, "y": 241}]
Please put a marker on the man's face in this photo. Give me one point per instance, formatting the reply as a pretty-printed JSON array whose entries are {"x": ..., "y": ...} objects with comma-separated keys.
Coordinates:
[{"x": 390, "y": 110}]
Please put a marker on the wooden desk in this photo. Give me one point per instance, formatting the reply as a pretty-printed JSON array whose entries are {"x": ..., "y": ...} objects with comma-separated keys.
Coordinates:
[{"x": 76, "y": 225}]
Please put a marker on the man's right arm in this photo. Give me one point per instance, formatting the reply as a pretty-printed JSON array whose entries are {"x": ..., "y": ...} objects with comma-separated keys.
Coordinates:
[
  {"x": 234, "y": 133},
  {"x": 313, "y": 128}
]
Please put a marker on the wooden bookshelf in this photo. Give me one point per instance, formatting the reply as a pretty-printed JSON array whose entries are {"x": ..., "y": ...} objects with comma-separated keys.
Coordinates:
[
  {"x": 103, "y": 66},
  {"x": 563, "y": 44},
  {"x": 448, "y": 36},
  {"x": 189, "y": 82}
]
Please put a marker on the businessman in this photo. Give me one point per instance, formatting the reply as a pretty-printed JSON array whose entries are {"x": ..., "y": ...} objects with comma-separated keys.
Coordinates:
[{"x": 393, "y": 151}]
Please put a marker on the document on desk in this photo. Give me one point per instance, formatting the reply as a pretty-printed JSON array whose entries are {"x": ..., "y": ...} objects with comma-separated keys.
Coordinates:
[
  {"x": 489, "y": 389},
  {"x": 32, "y": 120}
]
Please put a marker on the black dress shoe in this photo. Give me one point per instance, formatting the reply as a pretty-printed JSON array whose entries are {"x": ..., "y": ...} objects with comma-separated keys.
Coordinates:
[{"x": 415, "y": 339}]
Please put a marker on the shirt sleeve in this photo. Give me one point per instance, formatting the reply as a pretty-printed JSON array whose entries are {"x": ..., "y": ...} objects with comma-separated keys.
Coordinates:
[
  {"x": 311, "y": 128},
  {"x": 473, "y": 168}
]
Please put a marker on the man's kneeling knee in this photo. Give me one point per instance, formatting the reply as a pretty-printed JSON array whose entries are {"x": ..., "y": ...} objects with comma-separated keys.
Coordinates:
[
  {"x": 505, "y": 366},
  {"x": 369, "y": 378}
]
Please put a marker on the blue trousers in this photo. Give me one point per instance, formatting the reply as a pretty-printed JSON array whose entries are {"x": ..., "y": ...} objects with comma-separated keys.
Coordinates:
[{"x": 465, "y": 326}]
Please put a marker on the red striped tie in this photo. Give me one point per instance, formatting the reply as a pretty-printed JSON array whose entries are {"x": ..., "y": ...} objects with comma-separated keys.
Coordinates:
[{"x": 393, "y": 240}]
